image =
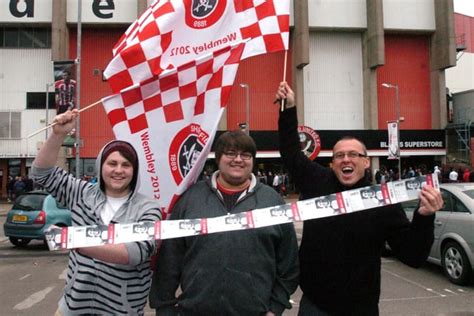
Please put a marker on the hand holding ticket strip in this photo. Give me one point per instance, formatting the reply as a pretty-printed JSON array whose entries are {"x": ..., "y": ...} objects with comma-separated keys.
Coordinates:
[{"x": 331, "y": 205}]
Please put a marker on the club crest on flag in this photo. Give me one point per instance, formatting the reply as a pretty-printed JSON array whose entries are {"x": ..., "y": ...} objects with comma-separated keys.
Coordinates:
[
  {"x": 173, "y": 32},
  {"x": 185, "y": 150},
  {"x": 171, "y": 120},
  {"x": 172, "y": 73},
  {"x": 203, "y": 13}
]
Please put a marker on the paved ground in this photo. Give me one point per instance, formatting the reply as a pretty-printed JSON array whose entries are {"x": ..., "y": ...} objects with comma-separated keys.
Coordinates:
[
  {"x": 35, "y": 278},
  {"x": 4, "y": 208}
]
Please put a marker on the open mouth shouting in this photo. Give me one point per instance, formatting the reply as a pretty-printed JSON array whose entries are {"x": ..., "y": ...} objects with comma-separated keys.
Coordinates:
[{"x": 349, "y": 161}]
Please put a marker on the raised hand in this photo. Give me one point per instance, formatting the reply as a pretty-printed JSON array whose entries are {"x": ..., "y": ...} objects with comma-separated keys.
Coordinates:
[
  {"x": 430, "y": 201},
  {"x": 284, "y": 92},
  {"x": 65, "y": 122}
]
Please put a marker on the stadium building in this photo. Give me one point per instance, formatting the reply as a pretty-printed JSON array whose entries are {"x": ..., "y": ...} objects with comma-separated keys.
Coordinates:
[{"x": 354, "y": 66}]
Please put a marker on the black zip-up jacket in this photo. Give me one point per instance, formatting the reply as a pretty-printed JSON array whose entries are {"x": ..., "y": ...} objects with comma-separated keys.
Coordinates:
[{"x": 340, "y": 255}]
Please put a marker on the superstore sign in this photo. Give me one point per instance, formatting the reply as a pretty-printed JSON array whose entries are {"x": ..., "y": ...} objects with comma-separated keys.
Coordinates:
[
  {"x": 374, "y": 139},
  {"x": 417, "y": 144}
]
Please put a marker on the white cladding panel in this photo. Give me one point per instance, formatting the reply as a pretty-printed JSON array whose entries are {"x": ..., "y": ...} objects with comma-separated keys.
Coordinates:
[
  {"x": 122, "y": 11},
  {"x": 39, "y": 12},
  {"x": 409, "y": 15},
  {"x": 464, "y": 107},
  {"x": 333, "y": 82},
  {"x": 21, "y": 71},
  {"x": 31, "y": 121},
  {"x": 337, "y": 13},
  {"x": 461, "y": 77}
]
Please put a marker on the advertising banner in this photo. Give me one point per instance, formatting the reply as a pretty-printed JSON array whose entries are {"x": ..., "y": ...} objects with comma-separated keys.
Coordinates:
[
  {"x": 64, "y": 85},
  {"x": 393, "y": 141}
]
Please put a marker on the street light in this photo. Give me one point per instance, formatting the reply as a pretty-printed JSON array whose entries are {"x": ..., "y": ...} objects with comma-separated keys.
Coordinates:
[
  {"x": 47, "y": 107},
  {"x": 399, "y": 120},
  {"x": 247, "y": 106}
]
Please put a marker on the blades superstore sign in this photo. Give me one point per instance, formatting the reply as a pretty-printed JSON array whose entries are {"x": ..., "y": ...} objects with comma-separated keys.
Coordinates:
[{"x": 36, "y": 11}]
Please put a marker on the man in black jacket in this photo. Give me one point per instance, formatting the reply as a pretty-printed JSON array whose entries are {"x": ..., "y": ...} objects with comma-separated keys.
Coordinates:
[{"x": 340, "y": 256}]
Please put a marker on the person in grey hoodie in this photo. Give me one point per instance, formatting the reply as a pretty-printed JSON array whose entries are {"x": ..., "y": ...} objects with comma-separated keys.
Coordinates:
[
  {"x": 246, "y": 272},
  {"x": 107, "y": 279}
]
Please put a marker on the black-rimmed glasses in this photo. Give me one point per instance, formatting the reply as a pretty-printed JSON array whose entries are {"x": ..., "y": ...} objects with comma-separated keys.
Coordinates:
[
  {"x": 350, "y": 155},
  {"x": 234, "y": 154}
]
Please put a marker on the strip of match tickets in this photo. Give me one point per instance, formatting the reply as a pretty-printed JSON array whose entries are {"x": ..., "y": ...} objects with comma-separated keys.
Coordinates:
[{"x": 336, "y": 204}]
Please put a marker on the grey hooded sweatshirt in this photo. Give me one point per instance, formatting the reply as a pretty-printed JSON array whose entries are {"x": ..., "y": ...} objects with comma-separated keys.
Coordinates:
[
  {"x": 94, "y": 286},
  {"x": 248, "y": 272}
]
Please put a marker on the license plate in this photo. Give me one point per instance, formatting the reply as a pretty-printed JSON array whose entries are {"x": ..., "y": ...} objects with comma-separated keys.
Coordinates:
[{"x": 19, "y": 218}]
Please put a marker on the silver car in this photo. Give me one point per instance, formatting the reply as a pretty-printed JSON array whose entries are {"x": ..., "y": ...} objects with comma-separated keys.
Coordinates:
[{"x": 453, "y": 246}]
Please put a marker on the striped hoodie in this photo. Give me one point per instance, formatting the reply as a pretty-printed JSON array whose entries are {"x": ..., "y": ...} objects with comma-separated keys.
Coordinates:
[{"x": 94, "y": 286}]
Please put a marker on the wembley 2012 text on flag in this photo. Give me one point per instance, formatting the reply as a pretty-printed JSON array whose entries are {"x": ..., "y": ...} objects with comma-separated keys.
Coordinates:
[
  {"x": 171, "y": 120},
  {"x": 172, "y": 32}
]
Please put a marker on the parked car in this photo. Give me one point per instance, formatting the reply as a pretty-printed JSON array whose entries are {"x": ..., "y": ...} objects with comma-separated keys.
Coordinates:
[
  {"x": 453, "y": 246},
  {"x": 31, "y": 214}
]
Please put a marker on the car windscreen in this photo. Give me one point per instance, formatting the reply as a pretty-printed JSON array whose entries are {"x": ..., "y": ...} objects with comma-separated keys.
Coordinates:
[
  {"x": 29, "y": 202},
  {"x": 469, "y": 193}
]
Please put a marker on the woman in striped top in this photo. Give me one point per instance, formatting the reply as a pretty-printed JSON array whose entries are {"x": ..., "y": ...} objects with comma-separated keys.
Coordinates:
[{"x": 107, "y": 279}]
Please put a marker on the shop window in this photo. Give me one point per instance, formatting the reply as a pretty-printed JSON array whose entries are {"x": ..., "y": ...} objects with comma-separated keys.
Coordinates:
[
  {"x": 10, "y": 124},
  {"x": 14, "y": 167},
  {"x": 11, "y": 37},
  {"x": 25, "y": 37},
  {"x": 42, "y": 38},
  {"x": 37, "y": 100}
]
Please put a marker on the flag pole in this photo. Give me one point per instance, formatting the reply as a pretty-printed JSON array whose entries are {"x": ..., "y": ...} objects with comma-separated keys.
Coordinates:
[
  {"x": 52, "y": 124},
  {"x": 284, "y": 79}
]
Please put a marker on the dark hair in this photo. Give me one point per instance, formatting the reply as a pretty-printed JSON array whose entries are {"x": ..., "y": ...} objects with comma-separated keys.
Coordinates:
[
  {"x": 364, "y": 148},
  {"x": 235, "y": 140},
  {"x": 128, "y": 152}
]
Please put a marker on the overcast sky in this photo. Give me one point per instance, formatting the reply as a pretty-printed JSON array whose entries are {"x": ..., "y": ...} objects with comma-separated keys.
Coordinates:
[{"x": 465, "y": 7}]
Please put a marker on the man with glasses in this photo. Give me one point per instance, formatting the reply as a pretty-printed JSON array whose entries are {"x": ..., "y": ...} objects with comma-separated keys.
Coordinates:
[
  {"x": 247, "y": 272},
  {"x": 340, "y": 255}
]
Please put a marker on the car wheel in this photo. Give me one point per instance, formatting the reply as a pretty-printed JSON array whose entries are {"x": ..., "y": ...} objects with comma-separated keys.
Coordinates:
[
  {"x": 456, "y": 264},
  {"x": 20, "y": 242}
]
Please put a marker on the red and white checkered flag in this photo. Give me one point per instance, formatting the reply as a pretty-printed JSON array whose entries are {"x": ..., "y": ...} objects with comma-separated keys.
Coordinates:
[
  {"x": 172, "y": 118},
  {"x": 173, "y": 32}
]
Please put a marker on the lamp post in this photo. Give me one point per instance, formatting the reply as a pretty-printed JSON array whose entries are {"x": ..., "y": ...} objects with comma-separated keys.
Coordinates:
[
  {"x": 399, "y": 120},
  {"x": 47, "y": 107},
  {"x": 247, "y": 106},
  {"x": 77, "y": 143}
]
